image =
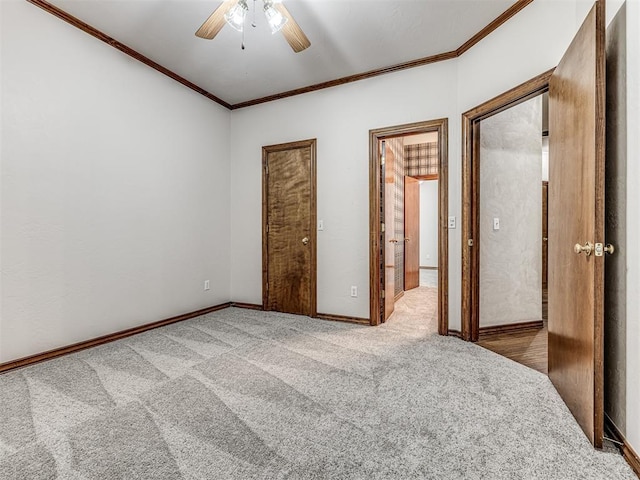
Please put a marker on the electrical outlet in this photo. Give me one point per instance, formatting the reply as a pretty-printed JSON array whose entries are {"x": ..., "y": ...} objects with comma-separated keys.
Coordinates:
[
  {"x": 207, "y": 285},
  {"x": 452, "y": 222},
  {"x": 354, "y": 291}
]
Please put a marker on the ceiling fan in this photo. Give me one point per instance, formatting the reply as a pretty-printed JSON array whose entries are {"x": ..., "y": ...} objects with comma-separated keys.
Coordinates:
[{"x": 234, "y": 13}]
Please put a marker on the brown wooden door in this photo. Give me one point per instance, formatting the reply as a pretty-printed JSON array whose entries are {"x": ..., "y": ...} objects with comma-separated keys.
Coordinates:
[
  {"x": 389, "y": 230},
  {"x": 576, "y": 208},
  {"x": 289, "y": 219},
  {"x": 411, "y": 233}
]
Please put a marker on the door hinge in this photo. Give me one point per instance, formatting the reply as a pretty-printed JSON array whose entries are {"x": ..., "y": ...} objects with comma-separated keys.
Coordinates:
[
  {"x": 381, "y": 293},
  {"x": 470, "y": 242},
  {"x": 267, "y": 286},
  {"x": 382, "y": 227},
  {"x": 266, "y": 169},
  {"x": 267, "y": 228}
]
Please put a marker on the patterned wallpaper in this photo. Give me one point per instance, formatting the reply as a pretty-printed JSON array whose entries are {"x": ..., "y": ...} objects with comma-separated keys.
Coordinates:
[
  {"x": 418, "y": 159},
  {"x": 397, "y": 147},
  {"x": 421, "y": 159}
]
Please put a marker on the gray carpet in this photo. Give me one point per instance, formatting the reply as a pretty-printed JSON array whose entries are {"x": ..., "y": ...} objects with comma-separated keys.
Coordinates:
[{"x": 240, "y": 394}]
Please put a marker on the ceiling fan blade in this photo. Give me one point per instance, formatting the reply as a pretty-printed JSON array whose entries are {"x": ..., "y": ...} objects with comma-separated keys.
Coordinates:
[
  {"x": 216, "y": 21},
  {"x": 292, "y": 31}
]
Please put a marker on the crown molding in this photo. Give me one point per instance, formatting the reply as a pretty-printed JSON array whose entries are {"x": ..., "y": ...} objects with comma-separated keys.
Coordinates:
[{"x": 94, "y": 32}]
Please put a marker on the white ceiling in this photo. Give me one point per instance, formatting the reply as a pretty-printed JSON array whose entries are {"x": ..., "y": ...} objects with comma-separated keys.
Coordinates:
[{"x": 347, "y": 37}]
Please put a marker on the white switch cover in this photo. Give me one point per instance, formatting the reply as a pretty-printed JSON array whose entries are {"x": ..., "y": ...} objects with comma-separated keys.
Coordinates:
[
  {"x": 354, "y": 291},
  {"x": 452, "y": 222},
  {"x": 207, "y": 285},
  {"x": 320, "y": 225},
  {"x": 496, "y": 223}
]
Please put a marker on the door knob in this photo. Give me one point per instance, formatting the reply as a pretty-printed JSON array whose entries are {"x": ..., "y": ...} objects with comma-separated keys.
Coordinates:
[
  {"x": 305, "y": 240},
  {"x": 587, "y": 248},
  {"x": 407, "y": 239},
  {"x": 393, "y": 240}
]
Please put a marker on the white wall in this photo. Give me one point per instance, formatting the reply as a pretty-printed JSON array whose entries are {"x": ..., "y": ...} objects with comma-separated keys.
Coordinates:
[
  {"x": 340, "y": 119},
  {"x": 615, "y": 272},
  {"x": 511, "y": 192},
  {"x": 115, "y": 196},
  {"x": 633, "y": 219},
  {"x": 429, "y": 223}
]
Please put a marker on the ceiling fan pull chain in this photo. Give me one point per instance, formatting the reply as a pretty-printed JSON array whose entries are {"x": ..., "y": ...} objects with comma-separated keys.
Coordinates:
[{"x": 254, "y": 24}]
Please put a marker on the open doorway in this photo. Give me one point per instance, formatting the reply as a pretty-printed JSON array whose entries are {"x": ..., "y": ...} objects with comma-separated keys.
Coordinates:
[
  {"x": 513, "y": 163},
  {"x": 505, "y": 222},
  {"x": 403, "y": 159},
  {"x": 576, "y": 241}
]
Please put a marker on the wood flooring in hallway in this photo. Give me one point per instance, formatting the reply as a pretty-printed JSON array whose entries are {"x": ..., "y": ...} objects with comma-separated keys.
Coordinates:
[{"x": 528, "y": 347}]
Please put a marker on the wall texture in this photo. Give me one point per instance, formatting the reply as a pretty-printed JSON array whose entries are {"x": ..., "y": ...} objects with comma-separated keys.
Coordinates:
[
  {"x": 615, "y": 335},
  {"x": 429, "y": 223},
  {"x": 622, "y": 270},
  {"x": 421, "y": 159},
  {"x": 510, "y": 190},
  {"x": 114, "y": 189},
  {"x": 632, "y": 428},
  {"x": 396, "y": 145}
]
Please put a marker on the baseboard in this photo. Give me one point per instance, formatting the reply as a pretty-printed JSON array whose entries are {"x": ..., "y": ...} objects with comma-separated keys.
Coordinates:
[
  {"x": 455, "y": 333},
  {"x": 322, "y": 316},
  {"x": 76, "y": 347},
  {"x": 628, "y": 453},
  {"x": 248, "y": 306},
  {"x": 511, "y": 328},
  {"x": 343, "y": 318},
  {"x": 398, "y": 296}
]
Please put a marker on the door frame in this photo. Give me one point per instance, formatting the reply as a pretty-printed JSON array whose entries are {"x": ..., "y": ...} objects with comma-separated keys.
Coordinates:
[
  {"x": 313, "y": 220},
  {"x": 376, "y": 202},
  {"x": 470, "y": 302}
]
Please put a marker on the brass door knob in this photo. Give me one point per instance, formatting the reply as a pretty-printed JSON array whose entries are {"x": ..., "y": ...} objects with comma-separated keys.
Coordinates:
[
  {"x": 587, "y": 248},
  {"x": 609, "y": 249},
  {"x": 407, "y": 239},
  {"x": 393, "y": 240},
  {"x": 305, "y": 240}
]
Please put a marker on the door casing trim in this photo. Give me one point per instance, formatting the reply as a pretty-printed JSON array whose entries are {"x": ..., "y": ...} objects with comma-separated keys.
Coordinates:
[{"x": 376, "y": 252}]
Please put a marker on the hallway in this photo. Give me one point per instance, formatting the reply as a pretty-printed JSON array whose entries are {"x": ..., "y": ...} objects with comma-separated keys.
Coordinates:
[{"x": 416, "y": 313}]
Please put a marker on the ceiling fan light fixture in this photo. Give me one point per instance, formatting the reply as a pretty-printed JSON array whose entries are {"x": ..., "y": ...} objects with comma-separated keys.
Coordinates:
[
  {"x": 235, "y": 17},
  {"x": 275, "y": 19}
]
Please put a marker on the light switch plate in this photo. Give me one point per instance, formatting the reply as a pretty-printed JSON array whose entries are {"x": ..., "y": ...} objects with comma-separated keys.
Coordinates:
[{"x": 496, "y": 223}]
